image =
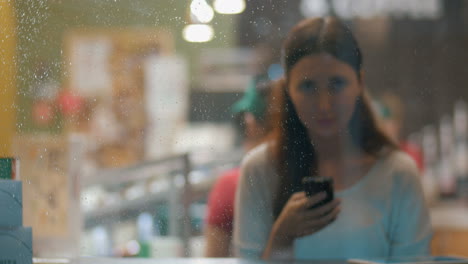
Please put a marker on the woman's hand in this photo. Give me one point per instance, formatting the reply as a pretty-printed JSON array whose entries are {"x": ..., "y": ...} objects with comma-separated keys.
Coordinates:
[{"x": 298, "y": 220}]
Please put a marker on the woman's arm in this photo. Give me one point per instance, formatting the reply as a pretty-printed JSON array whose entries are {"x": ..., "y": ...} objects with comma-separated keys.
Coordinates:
[
  {"x": 411, "y": 231},
  {"x": 218, "y": 242},
  {"x": 253, "y": 218},
  {"x": 277, "y": 247},
  {"x": 219, "y": 217}
]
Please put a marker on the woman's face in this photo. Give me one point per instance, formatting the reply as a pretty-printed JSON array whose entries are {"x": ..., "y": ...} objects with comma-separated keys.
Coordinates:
[{"x": 323, "y": 91}]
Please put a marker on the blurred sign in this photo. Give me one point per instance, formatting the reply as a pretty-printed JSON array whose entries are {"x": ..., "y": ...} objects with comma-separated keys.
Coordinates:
[
  {"x": 166, "y": 101},
  {"x": 418, "y": 9},
  {"x": 225, "y": 70},
  {"x": 90, "y": 74}
]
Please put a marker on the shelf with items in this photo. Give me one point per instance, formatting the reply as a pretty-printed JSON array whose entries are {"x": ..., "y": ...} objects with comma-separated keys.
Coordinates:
[
  {"x": 132, "y": 208},
  {"x": 150, "y": 182},
  {"x": 172, "y": 190},
  {"x": 140, "y": 171},
  {"x": 124, "y": 192}
]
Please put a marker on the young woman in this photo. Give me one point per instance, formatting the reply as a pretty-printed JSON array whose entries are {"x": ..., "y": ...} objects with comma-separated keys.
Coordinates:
[{"x": 325, "y": 127}]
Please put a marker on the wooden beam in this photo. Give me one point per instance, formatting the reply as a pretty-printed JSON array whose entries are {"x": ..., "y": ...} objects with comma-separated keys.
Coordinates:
[{"x": 7, "y": 76}]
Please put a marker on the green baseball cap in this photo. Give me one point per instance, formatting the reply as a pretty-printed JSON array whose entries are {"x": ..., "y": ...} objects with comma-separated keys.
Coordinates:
[
  {"x": 252, "y": 101},
  {"x": 382, "y": 110}
]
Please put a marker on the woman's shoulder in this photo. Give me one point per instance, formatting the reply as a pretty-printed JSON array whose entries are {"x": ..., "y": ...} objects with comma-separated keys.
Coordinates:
[
  {"x": 400, "y": 160},
  {"x": 258, "y": 162},
  {"x": 401, "y": 166},
  {"x": 258, "y": 157}
]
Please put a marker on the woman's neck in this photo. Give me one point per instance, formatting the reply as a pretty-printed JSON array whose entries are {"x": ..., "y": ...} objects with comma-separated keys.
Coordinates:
[
  {"x": 338, "y": 148},
  {"x": 342, "y": 160}
]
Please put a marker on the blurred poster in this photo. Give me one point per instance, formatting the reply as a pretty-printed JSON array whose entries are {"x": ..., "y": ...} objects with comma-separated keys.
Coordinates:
[
  {"x": 90, "y": 74},
  {"x": 44, "y": 167},
  {"x": 166, "y": 86},
  {"x": 107, "y": 69},
  {"x": 166, "y": 100},
  {"x": 50, "y": 193}
]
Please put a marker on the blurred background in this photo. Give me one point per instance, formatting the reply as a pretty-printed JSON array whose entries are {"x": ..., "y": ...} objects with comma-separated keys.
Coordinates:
[{"x": 120, "y": 110}]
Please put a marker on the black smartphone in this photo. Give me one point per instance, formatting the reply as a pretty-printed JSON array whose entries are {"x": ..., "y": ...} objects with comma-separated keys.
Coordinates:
[{"x": 315, "y": 184}]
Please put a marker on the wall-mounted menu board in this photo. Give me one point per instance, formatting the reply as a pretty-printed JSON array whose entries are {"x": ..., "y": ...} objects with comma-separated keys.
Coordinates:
[{"x": 113, "y": 97}]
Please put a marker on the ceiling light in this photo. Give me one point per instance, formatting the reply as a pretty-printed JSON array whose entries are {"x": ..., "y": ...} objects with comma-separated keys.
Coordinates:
[
  {"x": 198, "y": 33},
  {"x": 314, "y": 8},
  {"x": 230, "y": 7},
  {"x": 201, "y": 11}
]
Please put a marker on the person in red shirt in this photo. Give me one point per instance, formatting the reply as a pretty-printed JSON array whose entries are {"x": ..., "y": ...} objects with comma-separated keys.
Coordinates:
[{"x": 251, "y": 117}]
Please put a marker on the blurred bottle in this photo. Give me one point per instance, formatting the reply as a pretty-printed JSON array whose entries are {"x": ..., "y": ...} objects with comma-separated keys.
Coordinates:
[
  {"x": 145, "y": 226},
  {"x": 101, "y": 241},
  {"x": 461, "y": 148},
  {"x": 429, "y": 179},
  {"x": 9, "y": 168},
  {"x": 447, "y": 178}
]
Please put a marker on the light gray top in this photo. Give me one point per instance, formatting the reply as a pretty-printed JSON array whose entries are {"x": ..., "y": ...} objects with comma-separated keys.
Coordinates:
[{"x": 383, "y": 215}]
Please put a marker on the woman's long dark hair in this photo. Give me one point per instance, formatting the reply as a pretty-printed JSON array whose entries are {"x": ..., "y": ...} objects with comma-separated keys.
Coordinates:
[{"x": 292, "y": 150}]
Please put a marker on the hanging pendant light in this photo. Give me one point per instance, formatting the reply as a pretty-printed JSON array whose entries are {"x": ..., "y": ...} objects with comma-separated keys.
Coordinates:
[
  {"x": 197, "y": 30},
  {"x": 201, "y": 11},
  {"x": 198, "y": 33},
  {"x": 230, "y": 7}
]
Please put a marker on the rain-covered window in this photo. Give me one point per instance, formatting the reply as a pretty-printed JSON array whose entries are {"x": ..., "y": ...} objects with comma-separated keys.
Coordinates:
[{"x": 125, "y": 127}]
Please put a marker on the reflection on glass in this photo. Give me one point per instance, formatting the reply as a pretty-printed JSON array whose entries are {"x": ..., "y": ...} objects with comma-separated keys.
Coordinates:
[{"x": 120, "y": 109}]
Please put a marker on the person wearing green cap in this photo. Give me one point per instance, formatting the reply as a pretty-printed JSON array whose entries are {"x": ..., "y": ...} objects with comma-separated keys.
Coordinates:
[
  {"x": 251, "y": 117},
  {"x": 250, "y": 112}
]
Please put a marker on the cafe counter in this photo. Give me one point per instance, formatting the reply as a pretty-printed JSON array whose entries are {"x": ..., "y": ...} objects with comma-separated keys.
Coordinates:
[
  {"x": 450, "y": 222},
  {"x": 84, "y": 260}
]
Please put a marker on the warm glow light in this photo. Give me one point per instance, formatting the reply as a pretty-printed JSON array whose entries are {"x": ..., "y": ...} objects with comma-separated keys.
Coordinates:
[
  {"x": 314, "y": 8},
  {"x": 201, "y": 11},
  {"x": 230, "y": 7},
  {"x": 198, "y": 33},
  {"x": 133, "y": 247}
]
